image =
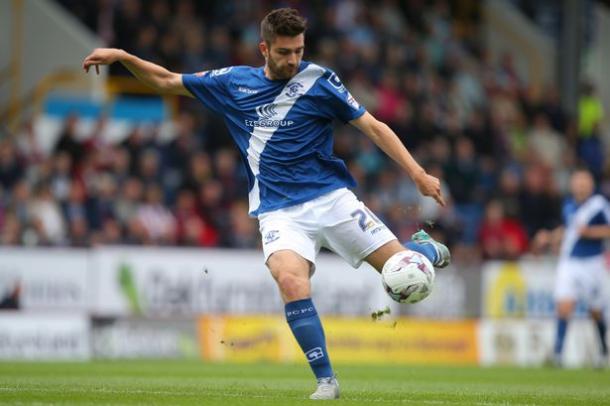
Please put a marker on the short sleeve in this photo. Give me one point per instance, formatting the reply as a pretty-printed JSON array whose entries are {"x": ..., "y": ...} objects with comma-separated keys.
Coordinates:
[
  {"x": 338, "y": 101},
  {"x": 606, "y": 212},
  {"x": 210, "y": 87}
]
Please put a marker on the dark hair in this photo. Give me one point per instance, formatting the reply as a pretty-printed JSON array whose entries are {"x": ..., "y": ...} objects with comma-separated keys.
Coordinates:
[{"x": 282, "y": 21}]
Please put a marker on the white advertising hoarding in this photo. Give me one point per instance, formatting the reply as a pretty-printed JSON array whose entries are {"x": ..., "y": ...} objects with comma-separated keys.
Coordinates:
[
  {"x": 125, "y": 338},
  {"x": 27, "y": 336},
  {"x": 530, "y": 342},
  {"x": 163, "y": 282},
  {"x": 153, "y": 281},
  {"x": 521, "y": 289},
  {"x": 47, "y": 279}
]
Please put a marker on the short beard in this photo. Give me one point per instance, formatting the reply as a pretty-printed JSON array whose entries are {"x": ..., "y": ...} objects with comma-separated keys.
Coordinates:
[{"x": 276, "y": 72}]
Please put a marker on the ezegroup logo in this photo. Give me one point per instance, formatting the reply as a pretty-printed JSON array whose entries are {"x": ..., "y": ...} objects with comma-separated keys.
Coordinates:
[
  {"x": 266, "y": 114},
  {"x": 266, "y": 111}
]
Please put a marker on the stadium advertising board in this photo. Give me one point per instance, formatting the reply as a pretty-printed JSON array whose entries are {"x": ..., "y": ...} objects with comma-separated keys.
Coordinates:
[
  {"x": 521, "y": 289},
  {"x": 404, "y": 340},
  {"x": 45, "y": 279},
  {"x": 246, "y": 339},
  {"x": 143, "y": 338},
  {"x": 163, "y": 282},
  {"x": 530, "y": 342},
  {"x": 26, "y": 336},
  {"x": 159, "y": 282}
]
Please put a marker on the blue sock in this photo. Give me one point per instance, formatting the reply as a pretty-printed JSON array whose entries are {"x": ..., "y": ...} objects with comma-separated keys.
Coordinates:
[
  {"x": 427, "y": 250},
  {"x": 562, "y": 327},
  {"x": 601, "y": 329},
  {"x": 307, "y": 329}
]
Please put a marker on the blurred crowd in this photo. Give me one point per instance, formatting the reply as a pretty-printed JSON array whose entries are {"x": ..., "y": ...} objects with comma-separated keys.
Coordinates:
[{"x": 503, "y": 147}]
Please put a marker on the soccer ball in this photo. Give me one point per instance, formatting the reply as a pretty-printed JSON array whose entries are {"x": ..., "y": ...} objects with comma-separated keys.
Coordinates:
[{"x": 408, "y": 277}]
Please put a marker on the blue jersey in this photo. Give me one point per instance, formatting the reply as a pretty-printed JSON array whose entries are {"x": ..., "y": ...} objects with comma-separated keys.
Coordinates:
[
  {"x": 593, "y": 211},
  {"x": 283, "y": 129}
]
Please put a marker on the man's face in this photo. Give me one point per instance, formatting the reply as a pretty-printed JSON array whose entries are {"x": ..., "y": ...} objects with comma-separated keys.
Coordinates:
[
  {"x": 582, "y": 186},
  {"x": 283, "y": 56}
]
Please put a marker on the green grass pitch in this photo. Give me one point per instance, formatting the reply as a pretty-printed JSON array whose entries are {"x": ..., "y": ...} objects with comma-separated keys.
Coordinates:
[{"x": 197, "y": 383}]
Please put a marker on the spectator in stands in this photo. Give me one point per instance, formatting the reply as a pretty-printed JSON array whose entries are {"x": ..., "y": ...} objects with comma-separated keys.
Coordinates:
[
  {"x": 149, "y": 170},
  {"x": 69, "y": 143},
  {"x": 470, "y": 117},
  {"x": 590, "y": 116},
  {"x": 47, "y": 219},
  {"x": 547, "y": 145},
  {"x": 11, "y": 171},
  {"x": 191, "y": 228},
  {"x": 120, "y": 165},
  {"x": 158, "y": 222},
  {"x": 77, "y": 210},
  {"x": 104, "y": 200},
  {"x": 212, "y": 209},
  {"x": 228, "y": 174},
  {"x": 501, "y": 237},
  {"x": 29, "y": 150},
  {"x": 244, "y": 230},
  {"x": 62, "y": 175},
  {"x": 199, "y": 171},
  {"x": 11, "y": 230},
  {"x": 79, "y": 234},
  {"x": 462, "y": 174},
  {"x": 539, "y": 202},
  {"x": 18, "y": 204},
  {"x": 111, "y": 233},
  {"x": 129, "y": 200}
]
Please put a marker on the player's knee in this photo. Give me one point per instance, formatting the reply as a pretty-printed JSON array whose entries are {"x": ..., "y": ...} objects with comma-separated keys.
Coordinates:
[
  {"x": 292, "y": 286},
  {"x": 565, "y": 308},
  {"x": 596, "y": 314}
]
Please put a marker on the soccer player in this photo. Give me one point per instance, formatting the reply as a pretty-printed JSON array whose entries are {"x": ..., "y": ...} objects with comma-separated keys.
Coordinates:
[
  {"x": 581, "y": 269},
  {"x": 280, "y": 116}
]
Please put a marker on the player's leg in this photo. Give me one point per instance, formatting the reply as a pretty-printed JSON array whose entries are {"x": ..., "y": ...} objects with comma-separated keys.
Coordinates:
[
  {"x": 565, "y": 308},
  {"x": 357, "y": 235},
  {"x": 380, "y": 256},
  {"x": 290, "y": 254},
  {"x": 565, "y": 300},
  {"x": 598, "y": 318},
  {"x": 436, "y": 252},
  {"x": 292, "y": 272},
  {"x": 594, "y": 282}
]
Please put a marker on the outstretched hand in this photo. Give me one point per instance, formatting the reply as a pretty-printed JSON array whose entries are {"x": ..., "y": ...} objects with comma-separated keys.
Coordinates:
[
  {"x": 101, "y": 56},
  {"x": 541, "y": 241},
  {"x": 429, "y": 185}
]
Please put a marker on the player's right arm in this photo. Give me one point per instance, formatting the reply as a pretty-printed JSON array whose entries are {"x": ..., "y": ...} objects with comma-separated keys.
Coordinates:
[
  {"x": 544, "y": 239},
  {"x": 153, "y": 75}
]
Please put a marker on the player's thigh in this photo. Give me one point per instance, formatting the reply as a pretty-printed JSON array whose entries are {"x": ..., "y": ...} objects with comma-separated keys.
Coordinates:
[
  {"x": 565, "y": 307},
  {"x": 595, "y": 284},
  {"x": 356, "y": 233},
  {"x": 567, "y": 285},
  {"x": 286, "y": 245}
]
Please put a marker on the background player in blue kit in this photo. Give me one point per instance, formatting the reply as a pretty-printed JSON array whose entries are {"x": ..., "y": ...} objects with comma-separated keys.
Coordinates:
[
  {"x": 280, "y": 116},
  {"x": 581, "y": 268}
]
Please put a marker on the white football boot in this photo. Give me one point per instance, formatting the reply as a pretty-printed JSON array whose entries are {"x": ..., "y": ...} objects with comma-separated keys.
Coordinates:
[{"x": 328, "y": 388}]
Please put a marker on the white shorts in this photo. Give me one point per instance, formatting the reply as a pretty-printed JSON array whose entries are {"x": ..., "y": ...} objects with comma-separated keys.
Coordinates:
[
  {"x": 337, "y": 221},
  {"x": 582, "y": 278}
]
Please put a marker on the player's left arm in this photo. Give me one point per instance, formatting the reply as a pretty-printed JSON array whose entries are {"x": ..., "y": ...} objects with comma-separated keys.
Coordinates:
[
  {"x": 596, "y": 232},
  {"x": 383, "y": 136}
]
